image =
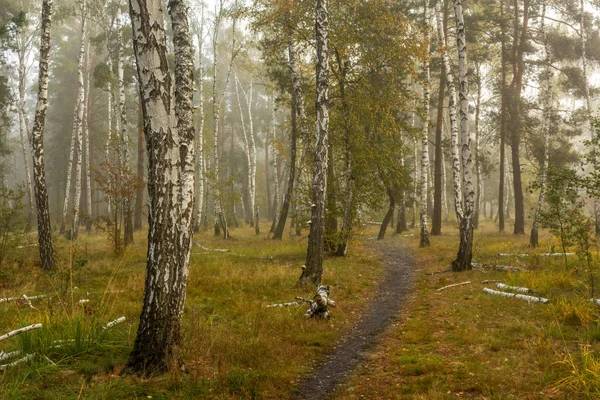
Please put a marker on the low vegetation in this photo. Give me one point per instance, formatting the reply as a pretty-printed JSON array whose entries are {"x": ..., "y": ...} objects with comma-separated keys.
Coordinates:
[
  {"x": 464, "y": 343},
  {"x": 234, "y": 346}
]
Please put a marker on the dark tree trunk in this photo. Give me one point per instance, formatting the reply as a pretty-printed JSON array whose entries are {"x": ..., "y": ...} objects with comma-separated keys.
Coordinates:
[
  {"x": 297, "y": 119},
  {"x": 436, "y": 223},
  {"x": 37, "y": 139},
  {"x": 388, "y": 216}
]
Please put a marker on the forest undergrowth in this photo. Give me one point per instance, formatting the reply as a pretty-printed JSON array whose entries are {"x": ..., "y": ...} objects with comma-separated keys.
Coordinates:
[
  {"x": 456, "y": 343},
  {"x": 234, "y": 345},
  {"x": 461, "y": 342}
]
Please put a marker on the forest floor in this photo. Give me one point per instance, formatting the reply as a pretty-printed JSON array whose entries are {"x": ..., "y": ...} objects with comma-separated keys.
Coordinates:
[
  {"x": 395, "y": 334},
  {"x": 383, "y": 308}
]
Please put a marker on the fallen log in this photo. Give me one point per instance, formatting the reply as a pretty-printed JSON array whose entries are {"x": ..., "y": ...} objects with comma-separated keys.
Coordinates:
[
  {"x": 20, "y": 330},
  {"x": 507, "y": 268},
  {"x": 319, "y": 305},
  {"x": 595, "y": 301},
  {"x": 453, "y": 285},
  {"x": 557, "y": 254},
  {"x": 23, "y": 297},
  {"x": 517, "y": 296},
  {"x": 211, "y": 250},
  {"x": 515, "y": 288},
  {"x": 115, "y": 322},
  {"x": 513, "y": 255},
  {"x": 288, "y": 304},
  {"x": 17, "y": 362},
  {"x": 8, "y": 355}
]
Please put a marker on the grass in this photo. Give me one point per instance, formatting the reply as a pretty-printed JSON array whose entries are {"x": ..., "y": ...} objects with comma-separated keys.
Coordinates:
[
  {"x": 464, "y": 343},
  {"x": 234, "y": 346}
]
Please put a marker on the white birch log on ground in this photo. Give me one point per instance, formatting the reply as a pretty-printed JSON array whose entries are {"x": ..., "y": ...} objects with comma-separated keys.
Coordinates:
[
  {"x": 595, "y": 301},
  {"x": 556, "y": 254},
  {"x": 288, "y": 304},
  {"x": 531, "y": 299},
  {"x": 513, "y": 255},
  {"x": 453, "y": 285},
  {"x": 319, "y": 305},
  {"x": 211, "y": 250},
  {"x": 114, "y": 323},
  {"x": 17, "y": 362},
  {"x": 20, "y": 330},
  {"x": 514, "y": 288},
  {"x": 507, "y": 268},
  {"x": 9, "y": 299},
  {"x": 8, "y": 355}
]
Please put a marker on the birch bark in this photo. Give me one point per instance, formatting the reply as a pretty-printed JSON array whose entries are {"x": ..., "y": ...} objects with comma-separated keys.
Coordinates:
[
  {"x": 424, "y": 236},
  {"x": 200, "y": 164},
  {"x": 454, "y": 136},
  {"x": 465, "y": 250},
  {"x": 37, "y": 145},
  {"x": 169, "y": 136},
  {"x": 23, "y": 131},
  {"x": 313, "y": 272},
  {"x": 78, "y": 120},
  {"x": 124, "y": 135}
]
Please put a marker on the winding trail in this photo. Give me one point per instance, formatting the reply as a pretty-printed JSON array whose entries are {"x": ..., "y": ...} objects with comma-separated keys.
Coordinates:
[{"x": 383, "y": 309}]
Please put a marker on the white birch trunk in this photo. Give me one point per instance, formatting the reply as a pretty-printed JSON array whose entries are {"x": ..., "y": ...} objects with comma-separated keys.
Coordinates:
[
  {"x": 465, "y": 250},
  {"x": 252, "y": 160},
  {"x": 86, "y": 132},
  {"x": 123, "y": 153},
  {"x": 37, "y": 145},
  {"x": 23, "y": 129},
  {"x": 314, "y": 259},
  {"x": 169, "y": 133},
  {"x": 424, "y": 236},
  {"x": 79, "y": 120},
  {"x": 200, "y": 133},
  {"x": 247, "y": 145},
  {"x": 533, "y": 240},
  {"x": 454, "y": 136}
]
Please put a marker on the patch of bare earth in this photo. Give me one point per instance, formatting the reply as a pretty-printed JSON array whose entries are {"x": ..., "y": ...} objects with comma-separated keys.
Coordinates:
[{"x": 384, "y": 308}]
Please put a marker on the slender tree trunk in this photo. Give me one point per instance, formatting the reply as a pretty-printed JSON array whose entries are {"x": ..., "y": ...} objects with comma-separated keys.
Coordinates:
[
  {"x": 79, "y": 120},
  {"x": 436, "y": 223},
  {"x": 477, "y": 156},
  {"x": 424, "y": 237},
  {"x": 415, "y": 204},
  {"x": 124, "y": 148},
  {"x": 276, "y": 183},
  {"x": 297, "y": 121},
  {"x": 533, "y": 239},
  {"x": 37, "y": 138},
  {"x": 267, "y": 162},
  {"x": 331, "y": 225},
  {"x": 517, "y": 86},
  {"x": 109, "y": 112},
  {"x": 454, "y": 136},
  {"x": 401, "y": 223},
  {"x": 465, "y": 249},
  {"x": 313, "y": 272},
  {"x": 170, "y": 139},
  {"x": 139, "y": 195},
  {"x": 248, "y": 151},
  {"x": 200, "y": 161},
  {"x": 86, "y": 132},
  {"x": 23, "y": 130},
  {"x": 388, "y": 216},
  {"x": 503, "y": 117}
]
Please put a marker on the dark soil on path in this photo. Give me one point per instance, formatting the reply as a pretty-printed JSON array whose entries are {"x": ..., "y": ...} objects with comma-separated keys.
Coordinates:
[{"x": 383, "y": 309}]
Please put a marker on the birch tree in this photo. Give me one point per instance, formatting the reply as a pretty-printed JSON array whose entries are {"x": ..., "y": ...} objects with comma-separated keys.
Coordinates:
[
  {"x": 297, "y": 122},
  {"x": 24, "y": 40},
  {"x": 465, "y": 249},
  {"x": 170, "y": 140},
  {"x": 424, "y": 236},
  {"x": 200, "y": 160},
  {"x": 37, "y": 144},
  {"x": 123, "y": 156},
  {"x": 313, "y": 271},
  {"x": 454, "y": 138},
  {"x": 533, "y": 239}
]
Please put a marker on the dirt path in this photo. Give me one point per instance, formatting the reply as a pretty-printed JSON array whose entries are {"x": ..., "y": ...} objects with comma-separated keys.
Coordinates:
[{"x": 383, "y": 309}]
